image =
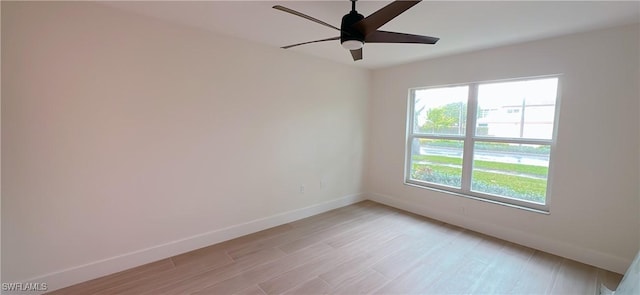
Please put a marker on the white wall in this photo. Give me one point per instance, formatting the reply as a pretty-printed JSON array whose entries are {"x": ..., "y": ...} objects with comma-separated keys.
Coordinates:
[
  {"x": 594, "y": 201},
  {"x": 122, "y": 133}
]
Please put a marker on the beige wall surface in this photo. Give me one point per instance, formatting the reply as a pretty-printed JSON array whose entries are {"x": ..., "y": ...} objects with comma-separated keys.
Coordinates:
[
  {"x": 594, "y": 199},
  {"x": 123, "y": 132}
]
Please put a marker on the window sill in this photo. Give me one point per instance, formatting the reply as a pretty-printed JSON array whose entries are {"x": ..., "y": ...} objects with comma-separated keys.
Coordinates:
[{"x": 545, "y": 212}]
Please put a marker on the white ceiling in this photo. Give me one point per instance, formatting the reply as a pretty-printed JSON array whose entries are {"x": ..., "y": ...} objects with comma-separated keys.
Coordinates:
[{"x": 461, "y": 26}]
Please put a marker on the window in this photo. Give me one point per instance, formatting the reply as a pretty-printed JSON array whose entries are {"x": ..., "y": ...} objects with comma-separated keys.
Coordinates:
[{"x": 487, "y": 140}]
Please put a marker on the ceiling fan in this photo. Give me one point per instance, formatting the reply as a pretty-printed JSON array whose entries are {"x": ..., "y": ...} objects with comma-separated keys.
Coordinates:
[{"x": 356, "y": 30}]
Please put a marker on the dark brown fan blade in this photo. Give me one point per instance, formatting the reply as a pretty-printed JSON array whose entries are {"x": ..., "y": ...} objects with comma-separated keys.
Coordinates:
[
  {"x": 294, "y": 45},
  {"x": 300, "y": 14},
  {"x": 374, "y": 21},
  {"x": 393, "y": 37},
  {"x": 356, "y": 54}
]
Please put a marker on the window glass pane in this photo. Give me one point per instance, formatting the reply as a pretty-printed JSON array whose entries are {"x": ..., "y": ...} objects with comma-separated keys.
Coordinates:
[
  {"x": 517, "y": 171},
  {"x": 437, "y": 161},
  {"x": 440, "y": 110},
  {"x": 520, "y": 109}
]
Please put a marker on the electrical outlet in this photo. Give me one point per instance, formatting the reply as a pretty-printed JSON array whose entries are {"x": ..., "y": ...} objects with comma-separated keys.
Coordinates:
[
  {"x": 322, "y": 184},
  {"x": 302, "y": 189}
]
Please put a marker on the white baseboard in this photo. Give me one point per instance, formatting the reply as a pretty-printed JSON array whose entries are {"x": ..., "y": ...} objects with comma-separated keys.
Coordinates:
[
  {"x": 71, "y": 276},
  {"x": 563, "y": 249}
]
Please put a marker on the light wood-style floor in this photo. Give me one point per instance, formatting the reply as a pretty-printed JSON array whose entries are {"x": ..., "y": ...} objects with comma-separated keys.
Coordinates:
[{"x": 362, "y": 248}]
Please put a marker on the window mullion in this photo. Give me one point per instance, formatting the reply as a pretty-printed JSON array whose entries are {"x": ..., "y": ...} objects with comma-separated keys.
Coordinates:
[
  {"x": 429, "y": 136},
  {"x": 467, "y": 160},
  {"x": 410, "y": 135},
  {"x": 512, "y": 140}
]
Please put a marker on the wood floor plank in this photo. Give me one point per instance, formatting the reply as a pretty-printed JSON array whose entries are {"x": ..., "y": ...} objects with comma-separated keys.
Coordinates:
[
  {"x": 474, "y": 264},
  {"x": 364, "y": 239},
  {"x": 123, "y": 277},
  {"x": 208, "y": 278},
  {"x": 252, "y": 238},
  {"x": 466, "y": 277},
  {"x": 351, "y": 211},
  {"x": 363, "y": 282},
  {"x": 408, "y": 281},
  {"x": 365, "y": 248},
  {"x": 270, "y": 270},
  {"x": 305, "y": 272},
  {"x": 156, "y": 280},
  {"x": 253, "y": 290},
  {"x": 575, "y": 278},
  {"x": 433, "y": 266},
  {"x": 301, "y": 232},
  {"x": 353, "y": 227},
  {"x": 417, "y": 226},
  {"x": 538, "y": 275},
  {"x": 377, "y": 230},
  {"x": 503, "y": 271},
  {"x": 202, "y": 259},
  {"x": 355, "y": 266},
  {"x": 313, "y": 286},
  {"x": 398, "y": 263}
]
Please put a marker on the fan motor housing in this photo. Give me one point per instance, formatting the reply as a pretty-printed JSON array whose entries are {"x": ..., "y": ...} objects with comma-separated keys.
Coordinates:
[{"x": 348, "y": 31}]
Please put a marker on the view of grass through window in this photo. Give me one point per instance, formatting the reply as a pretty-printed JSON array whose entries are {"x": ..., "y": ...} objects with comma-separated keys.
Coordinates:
[
  {"x": 520, "y": 172},
  {"x": 429, "y": 165},
  {"x": 502, "y": 175}
]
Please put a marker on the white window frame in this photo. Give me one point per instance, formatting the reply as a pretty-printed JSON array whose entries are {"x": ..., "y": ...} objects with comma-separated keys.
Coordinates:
[{"x": 469, "y": 139}]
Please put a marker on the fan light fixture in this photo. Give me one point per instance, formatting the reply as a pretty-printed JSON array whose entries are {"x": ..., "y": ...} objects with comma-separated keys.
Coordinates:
[
  {"x": 352, "y": 44},
  {"x": 355, "y": 29}
]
